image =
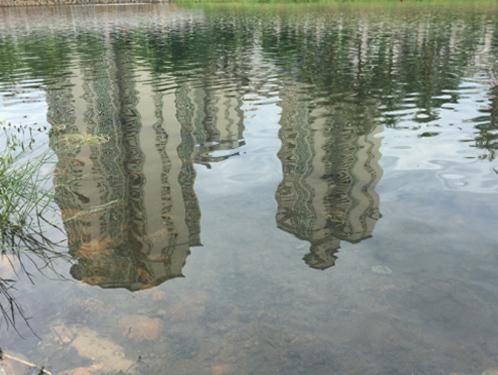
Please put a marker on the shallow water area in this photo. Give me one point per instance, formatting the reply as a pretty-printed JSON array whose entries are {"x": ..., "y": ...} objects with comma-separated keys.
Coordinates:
[{"x": 260, "y": 190}]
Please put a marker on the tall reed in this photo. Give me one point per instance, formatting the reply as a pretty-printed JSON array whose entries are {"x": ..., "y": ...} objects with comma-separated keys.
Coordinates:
[{"x": 26, "y": 215}]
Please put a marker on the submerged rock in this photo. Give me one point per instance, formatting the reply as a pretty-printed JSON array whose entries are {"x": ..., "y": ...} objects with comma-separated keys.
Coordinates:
[
  {"x": 104, "y": 353},
  {"x": 158, "y": 295},
  {"x": 63, "y": 334},
  {"x": 7, "y": 368},
  {"x": 491, "y": 371},
  {"x": 79, "y": 371},
  {"x": 110, "y": 355},
  {"x": 221, "y": 369},
  {"x": 141, "y": 327},
  {"x": 188, "y": 307}
]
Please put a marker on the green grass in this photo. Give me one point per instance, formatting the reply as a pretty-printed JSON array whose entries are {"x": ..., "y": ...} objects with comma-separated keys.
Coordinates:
[
  {"x": 362, "y": 5},
  {"x": 352, "y": 2},
  {"x": 28, "y": 209},
  {"x": 26, "y": 206}
]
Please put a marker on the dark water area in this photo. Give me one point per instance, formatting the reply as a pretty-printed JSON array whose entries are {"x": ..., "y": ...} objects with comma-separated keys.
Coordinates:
[{"x": 261, "y": 190}]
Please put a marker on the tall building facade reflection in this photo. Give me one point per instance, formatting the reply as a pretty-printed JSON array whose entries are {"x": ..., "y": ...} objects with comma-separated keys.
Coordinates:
[
  {"x": 330, "y": 163},
  {"x": 184, "y": 108},
  {"x": 213, "y": 118},
  {"x": 125, "y": 173}
]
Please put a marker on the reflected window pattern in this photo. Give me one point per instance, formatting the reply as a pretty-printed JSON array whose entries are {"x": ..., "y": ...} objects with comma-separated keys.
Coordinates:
[
  {"x": 330, "y": 169},
  {"x": 126, "y": 191}
]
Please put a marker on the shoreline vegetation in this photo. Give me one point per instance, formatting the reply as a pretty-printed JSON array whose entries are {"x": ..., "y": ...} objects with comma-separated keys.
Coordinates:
[
  {"x": 363, "y": 5},
  {"x": 26, "y": 206},
  {"x": 423, "y": 3},
  {"x": 28, "y": 231},
  {"x": 373, "y": 4},
  {"x": 31, "y": 236}
]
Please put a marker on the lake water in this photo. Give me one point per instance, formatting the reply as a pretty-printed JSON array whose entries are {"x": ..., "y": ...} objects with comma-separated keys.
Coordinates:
[{"x": 271, "y": 189}]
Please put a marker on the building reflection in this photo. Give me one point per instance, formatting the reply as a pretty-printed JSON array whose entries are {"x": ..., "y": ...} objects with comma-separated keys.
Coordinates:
[
  {"x": 125, "y": 174},
  {"x": 330, "y": 163},
  {"x": 212, "y": 118}
]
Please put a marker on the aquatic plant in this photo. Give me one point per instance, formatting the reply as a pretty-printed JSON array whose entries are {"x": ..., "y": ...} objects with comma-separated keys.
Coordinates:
[{"x": 26, "y": 215}]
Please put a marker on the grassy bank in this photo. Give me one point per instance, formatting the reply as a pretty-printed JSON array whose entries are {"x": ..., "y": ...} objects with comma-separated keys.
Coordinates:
[{"x": 455, "y": 5}]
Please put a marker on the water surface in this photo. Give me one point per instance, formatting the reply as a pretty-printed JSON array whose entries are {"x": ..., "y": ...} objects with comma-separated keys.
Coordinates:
[{"x": 262, "y": 190}]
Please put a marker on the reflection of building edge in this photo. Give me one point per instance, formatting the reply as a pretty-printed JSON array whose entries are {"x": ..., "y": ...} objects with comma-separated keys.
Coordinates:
[
  {"x": 294, "y": 195},
  {"x": 329, "y": 176},
  {"x": 187, "y": 173},
  {"x": 128, "y": 204},
  {"x": 216, "y": 118},
  {"x": 117, "y": 246}
]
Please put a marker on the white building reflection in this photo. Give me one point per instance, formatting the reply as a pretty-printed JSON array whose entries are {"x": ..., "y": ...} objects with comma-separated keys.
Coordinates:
[
  {"x": 330, "y": 163},
  {"x": 125, "y": 174}
]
